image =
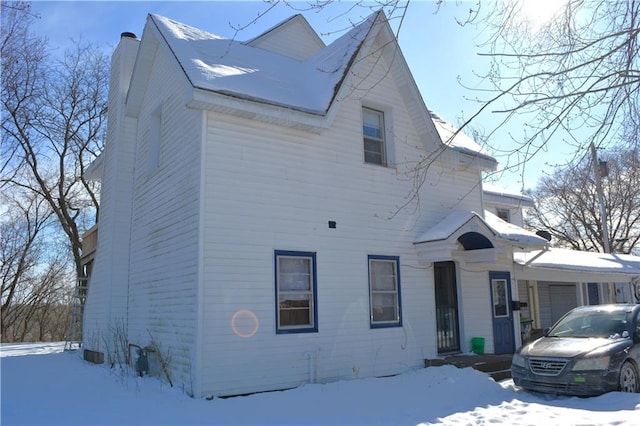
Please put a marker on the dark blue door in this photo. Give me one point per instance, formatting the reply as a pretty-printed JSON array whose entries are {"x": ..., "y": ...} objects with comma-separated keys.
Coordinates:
[{"x": 503, "y": 337}]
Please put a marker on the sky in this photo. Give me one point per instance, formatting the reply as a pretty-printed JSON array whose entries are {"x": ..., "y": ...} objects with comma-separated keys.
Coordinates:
[
  {"x": 441, "y": 54},
  {"x": 41, "y": 385}
]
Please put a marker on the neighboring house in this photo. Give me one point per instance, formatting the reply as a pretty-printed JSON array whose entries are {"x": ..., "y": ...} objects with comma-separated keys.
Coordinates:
[
  {"x": 507, "y": 205},
  {"x": 278, "y": 212},
  {"x": 551, "y": 282}
]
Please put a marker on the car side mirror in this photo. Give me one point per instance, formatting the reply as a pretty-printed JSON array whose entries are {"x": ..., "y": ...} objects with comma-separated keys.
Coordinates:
[{"x": 545, "y": 332}]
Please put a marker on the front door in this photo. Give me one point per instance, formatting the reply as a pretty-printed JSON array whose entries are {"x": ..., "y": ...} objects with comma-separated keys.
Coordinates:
[
  {"x": 446, "y": 291},
  {"x": 503, "y": 337}
]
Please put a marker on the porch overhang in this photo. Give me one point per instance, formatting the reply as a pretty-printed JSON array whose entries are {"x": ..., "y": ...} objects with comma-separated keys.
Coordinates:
[
  {"x": 558, "y": 264},
  {"x": 476, "y": 238}
]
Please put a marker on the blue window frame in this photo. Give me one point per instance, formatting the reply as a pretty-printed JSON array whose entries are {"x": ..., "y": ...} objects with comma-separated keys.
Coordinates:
[
  {"x": 296, "y": 292},
  {"x": 384, "y": 291}
]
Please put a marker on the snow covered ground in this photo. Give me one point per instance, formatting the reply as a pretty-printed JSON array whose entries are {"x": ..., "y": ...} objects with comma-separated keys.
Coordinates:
[{"x": 43, "y": 385}]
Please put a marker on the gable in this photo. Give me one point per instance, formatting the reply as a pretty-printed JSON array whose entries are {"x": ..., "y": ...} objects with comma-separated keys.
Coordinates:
[
  {"x": 230, "y": 68},
  {"x": 456, "y": 139},
  {"x": 381, "y": 40},
  {"x": 240, "y": 79},
  {"x": 293, "y": 38}
]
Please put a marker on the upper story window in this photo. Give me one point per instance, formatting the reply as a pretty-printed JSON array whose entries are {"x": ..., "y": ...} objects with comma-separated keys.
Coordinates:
[
  {"x": 296, "y": 310},
  {"x": 374, "y": 137},
  {"x": 384, "y": 291},
  {"x": 503, "y": 214}
]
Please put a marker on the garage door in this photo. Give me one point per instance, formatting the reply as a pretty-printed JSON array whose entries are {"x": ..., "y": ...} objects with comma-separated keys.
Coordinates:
[{"x": 563, "y": 298}]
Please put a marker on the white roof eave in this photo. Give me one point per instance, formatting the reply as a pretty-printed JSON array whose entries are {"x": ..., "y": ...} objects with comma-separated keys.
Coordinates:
[
  {"x": 95, "y": 170},
  {"x": 268, "y": 113}
]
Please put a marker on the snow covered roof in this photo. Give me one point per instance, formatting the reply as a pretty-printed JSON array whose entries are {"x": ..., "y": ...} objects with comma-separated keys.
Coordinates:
[
  {"x": 500, "y": 229},
  {"x": 454, "y": 138},
  {"x": 297, "y": 89},
  {"x": 501, "y": 196},
  {"x": 513, "y": 233},
  {"x": 582, "y": 261},
  {"x": 233, "y": 68}
]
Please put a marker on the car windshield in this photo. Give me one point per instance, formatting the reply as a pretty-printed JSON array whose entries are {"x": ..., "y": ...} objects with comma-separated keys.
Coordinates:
[{"x": 598, "y": 323}]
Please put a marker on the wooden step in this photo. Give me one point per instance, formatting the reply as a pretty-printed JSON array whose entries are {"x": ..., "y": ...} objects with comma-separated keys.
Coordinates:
[{"x": 497, "y": 366}]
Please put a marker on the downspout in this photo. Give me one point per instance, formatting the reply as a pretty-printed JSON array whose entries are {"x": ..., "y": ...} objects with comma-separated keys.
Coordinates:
[
  {"x": 314, "y": 365},
  {"x": 309, "y": 356},
  {"x": 198, "y": 352}
]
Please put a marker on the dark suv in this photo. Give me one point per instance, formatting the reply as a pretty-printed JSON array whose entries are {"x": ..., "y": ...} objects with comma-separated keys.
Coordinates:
[{"x": 589, "y": 351}]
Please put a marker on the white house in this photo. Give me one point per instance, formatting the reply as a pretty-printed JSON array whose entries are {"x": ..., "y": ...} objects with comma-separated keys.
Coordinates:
[{"x": 278, "y": 211}]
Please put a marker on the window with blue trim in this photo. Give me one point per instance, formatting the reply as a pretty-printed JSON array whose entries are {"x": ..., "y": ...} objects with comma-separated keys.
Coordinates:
[
  {"x": 295, "y": 282},
  {"x": 384, "y": 291}
]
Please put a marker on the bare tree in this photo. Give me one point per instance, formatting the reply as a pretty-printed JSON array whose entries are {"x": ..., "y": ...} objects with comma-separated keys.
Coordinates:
[
  {"x": 53, "y": 122},
  {"x": 20, "y": 250},
  {"x": 574, "y": 78},
  {"x": 22, "y": 57},
  {"x": 34, "y": 271},
  {"x": 567, "y": 204}
]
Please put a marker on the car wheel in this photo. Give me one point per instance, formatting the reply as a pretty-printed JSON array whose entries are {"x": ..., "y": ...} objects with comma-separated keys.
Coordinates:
[{"x": 629, "y": 380}]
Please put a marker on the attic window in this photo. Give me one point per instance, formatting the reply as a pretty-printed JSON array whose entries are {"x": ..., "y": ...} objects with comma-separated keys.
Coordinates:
[
  {"x": 503, "y": 214},
  {"x": 374, "y": 140}
]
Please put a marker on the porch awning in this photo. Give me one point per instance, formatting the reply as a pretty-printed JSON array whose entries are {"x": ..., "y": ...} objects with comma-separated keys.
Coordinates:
[
  {"x": 491, "y": 224},
  {"x": 586, "y": 266},
  {"x": 480, "y": 238}
]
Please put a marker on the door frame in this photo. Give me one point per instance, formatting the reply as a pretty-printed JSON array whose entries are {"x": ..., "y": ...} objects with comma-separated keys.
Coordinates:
[
  {"x": 502, "y": 312},
  {"x": 447, "y": 315}
]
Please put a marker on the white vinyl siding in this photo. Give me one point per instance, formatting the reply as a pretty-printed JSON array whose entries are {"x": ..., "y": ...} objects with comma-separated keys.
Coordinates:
[
  {"x": 107, "y": 298},
  {"x": 163, "y": 267},
  {"x": 269, "y": 187},
  {"x": 155, "y": 138},
  {"x": 294, "y": 39}
]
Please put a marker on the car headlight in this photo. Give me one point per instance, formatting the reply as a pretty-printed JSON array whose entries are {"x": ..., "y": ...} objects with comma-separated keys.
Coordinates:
[
  {"x": 518, "y": 360},
  {"x": 599, "y": 363}
]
